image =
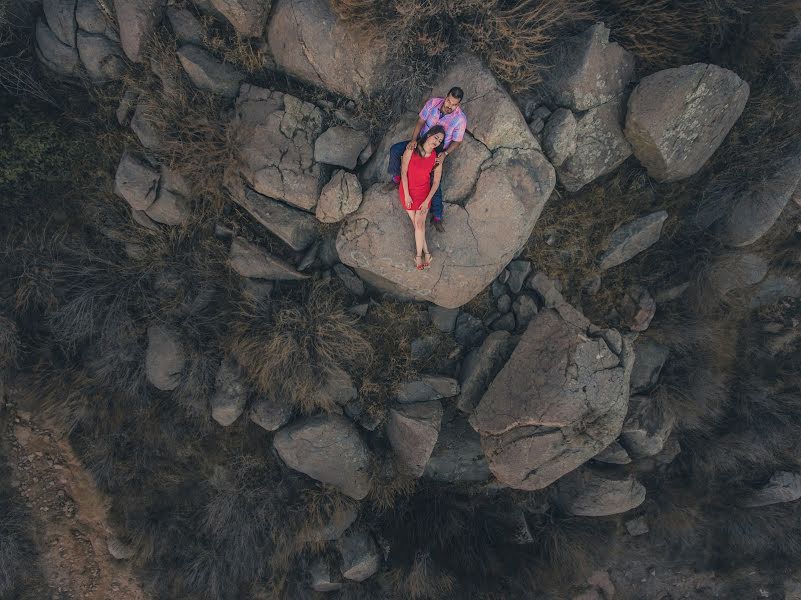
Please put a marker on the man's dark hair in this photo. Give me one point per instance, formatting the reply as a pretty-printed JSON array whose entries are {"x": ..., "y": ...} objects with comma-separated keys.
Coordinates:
[{"x": 456, "y": 92}]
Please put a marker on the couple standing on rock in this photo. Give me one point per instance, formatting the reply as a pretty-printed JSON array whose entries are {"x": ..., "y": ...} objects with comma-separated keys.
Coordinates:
[{"x": 416, "y": 165}]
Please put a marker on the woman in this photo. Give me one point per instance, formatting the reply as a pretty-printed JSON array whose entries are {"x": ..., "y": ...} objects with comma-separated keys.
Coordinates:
[{"x": 416, "y": 189}]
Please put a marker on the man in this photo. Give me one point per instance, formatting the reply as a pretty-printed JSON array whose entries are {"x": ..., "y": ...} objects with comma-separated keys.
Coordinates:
[{"x": 446, "y": 112}]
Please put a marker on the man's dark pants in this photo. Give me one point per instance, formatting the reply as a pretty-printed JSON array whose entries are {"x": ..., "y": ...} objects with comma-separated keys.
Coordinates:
[{"x": 395, "y": 155}]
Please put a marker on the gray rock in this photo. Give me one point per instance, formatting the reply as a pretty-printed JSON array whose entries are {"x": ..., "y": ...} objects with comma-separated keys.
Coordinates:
[
  {"x": 335, "y": 525},
  {"x": 504, "y": 323},
  {"x": 499, "y": 288},
  {"x": 546, "y": 289},
  {"x": 601, "y": 146},
  {"x": 248, "y": 17},
  {"x": 733, "y": 271},
  {"x": 589, "y": 71},
  {"x": 140, "y": 217},
  {"x": 91, "y": 19},
  {"x": 647, "y": 427},
  {"x": 125, "y": 107},
  {"x": 322, "y": 578},
  {"x": 349, "y": 279},
  {"x": 524, "y": 309},
  {"x": 457, "y": 456},
  {"x": 559, "y": 400},
  {"x": 137, "y": 20},
  {"x": 536, "y": 125},
  {"x": 504, "y": 304},
  {"x": 341, "y": 196},
  {"x": 53, "y": 53},
  {"x": 783, "y": 486},
  {"x": 276, "y": 135},
  {"x": 208, "y": 73},
  {"x": 469, "y": 330},
  {"x": 589, "y": 493},
  {"x": 119, "y": 549},
  {"x": 638, "y": 526},
  {"x": 426, "y": 388},
  {"x": 637, "y": 308},
  {"x": 101, "y": 57},
  {"x": 250, "y": 260},
  {"x": 443, "y": 319},
  {"x": 327, "y": 448},
  {"x": 165, "y": 357},
  {"x": 677, "y": 118},
  {"x": 136, "y": 183},
  {"x": 360, "y": 310},
  {"x": 60, "y": 16},
  {"x": 310, "y": 256},
  {"x": 185, "y": 25},
  {"x": 412, "y": 430},
  {"x": 480, "y": 367},
  {"x": 650, "y": 356},
  {"x": 774, "y": 288},
  {"x": 340, "y": 146},
  {"x": 361, "y": 557},
  {"x": 230, "y": 394},
  {"x": 270, "y": 413},
  {"x": 559, "y": 136},
  {"x": 518, "y": 272},
  {"x": 423, "y": 347},
  {"x": 613, "y": 454},
  {"x": 628, "y": 240},
  {"x": 142, "y": 125},
  {"x": 464, "y": 168},
  {"x": 366, "y": 154},
  {"x": 296, "y": 228}
]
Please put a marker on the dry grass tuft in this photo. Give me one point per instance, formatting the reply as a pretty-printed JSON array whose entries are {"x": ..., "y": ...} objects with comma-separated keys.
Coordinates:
[
  {"x": 9, "y": 342},
  {"x": 423, "y": 580}
]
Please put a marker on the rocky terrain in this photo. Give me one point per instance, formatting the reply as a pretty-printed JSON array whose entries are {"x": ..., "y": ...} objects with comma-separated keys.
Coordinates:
[{"x": 222, "y": 376}]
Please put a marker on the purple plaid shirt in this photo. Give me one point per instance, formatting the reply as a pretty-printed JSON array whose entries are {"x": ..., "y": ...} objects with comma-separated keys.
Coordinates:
[{"x": 454, "y": 124}]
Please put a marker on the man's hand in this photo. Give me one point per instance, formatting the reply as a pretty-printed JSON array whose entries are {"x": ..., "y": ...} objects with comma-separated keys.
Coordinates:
[{"x": 411, "y": 145}]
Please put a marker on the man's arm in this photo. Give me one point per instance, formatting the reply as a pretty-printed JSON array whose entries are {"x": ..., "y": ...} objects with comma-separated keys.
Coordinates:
[
  {"x": 452, "y": 147},
  {"x": 413, "y": 142}
]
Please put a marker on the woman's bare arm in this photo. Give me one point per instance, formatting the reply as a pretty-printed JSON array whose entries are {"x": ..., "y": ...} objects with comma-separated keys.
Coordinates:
[{"x": 405, "y": 160}]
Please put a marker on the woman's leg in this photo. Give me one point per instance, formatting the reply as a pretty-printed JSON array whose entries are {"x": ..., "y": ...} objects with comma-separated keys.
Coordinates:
[
  {"x": 420, "y": 230},
  {"x": 418, "y": 249}
]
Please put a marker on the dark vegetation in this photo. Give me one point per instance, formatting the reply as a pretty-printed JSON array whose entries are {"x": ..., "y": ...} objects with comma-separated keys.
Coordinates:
[{"x": 213, "y": 512}]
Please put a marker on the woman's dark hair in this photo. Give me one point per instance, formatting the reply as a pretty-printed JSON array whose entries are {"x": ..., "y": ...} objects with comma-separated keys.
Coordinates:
[
  {"x": 456, "y": 92},
  {"x": 431, "y": 132}
]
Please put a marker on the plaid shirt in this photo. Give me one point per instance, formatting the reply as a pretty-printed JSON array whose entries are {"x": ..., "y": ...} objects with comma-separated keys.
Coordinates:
[{"x": 454, "y": 124}]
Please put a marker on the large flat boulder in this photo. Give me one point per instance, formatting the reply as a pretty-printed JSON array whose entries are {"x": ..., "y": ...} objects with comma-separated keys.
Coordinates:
[
  {"x": 137, "y": 20},
  {"x": 327, "y": 448},
  {"x": 677, "y": 118},
  {"x": 309, "y": 42},
  {"x": 559, "y": 400},
  {"x": 275, "y": 150}
]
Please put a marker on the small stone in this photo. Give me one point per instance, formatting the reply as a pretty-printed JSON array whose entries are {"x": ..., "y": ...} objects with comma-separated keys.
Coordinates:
[
  {"x": 638, "y": 526},
  {"x": 469, "y": 330},
  {"x": 503, "y": 277},
  {"x": 230, "y": 394},
  {"x": 443, "y": 319},
  {"x": 637, "y": 308},
  {"x": 504, "y": 304},
  {"x": 505, "y": 323},
  {"x": 119, "y": 549},
  {"x": 349, "y": 279},
  {"x": 426, "y": 388},
  {"x": 524, "y": 308},
  {"x": 270, "y": 414},
  {"x": 360, "y": 310},
  {"x": 518, "y": 271},
  {"x": 628, "y": 240},
  {"x": 250, "y": 260},
  {"x": 613, "y": 454},
  {"x": 360, "y": 555}
]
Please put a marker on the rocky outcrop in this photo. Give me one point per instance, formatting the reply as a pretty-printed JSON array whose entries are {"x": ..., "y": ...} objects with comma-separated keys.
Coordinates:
[
  {"x": 249, "y": 17},
  {"x": 559, "y": 400},
  {"x": 590, "y": 493},
  {"x": 136, "y": 182},
  {"x": 647, "y": 427},
  {"x": 628, "y": 240},
  {"x": 230, "y": 394},
  {"x": 559, "y": 136},
  {"x": 340, "y": 146},
  {"x": 340, "y": 197},
  {"x": 309, "y": 42},
  {"x": 53, "y": 53},
  {"x": 677, "y": 118},
  {"x": 413, "y": 430},
  {"x": 457, "y": 456},
  {"x": 137, "y": 20},
  {"x": 249, "y": 260},
  {"x": 209, "y": 74},
  {"x": 327, "y": 448},
  {"x": 276, "y": 134},
  {"x": 165, "y": 357}
]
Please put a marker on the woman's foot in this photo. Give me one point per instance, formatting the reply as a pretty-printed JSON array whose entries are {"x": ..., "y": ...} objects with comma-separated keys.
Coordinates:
[
  {"x": 426, "y": 259},
  {"x": 418, "y": 262}
]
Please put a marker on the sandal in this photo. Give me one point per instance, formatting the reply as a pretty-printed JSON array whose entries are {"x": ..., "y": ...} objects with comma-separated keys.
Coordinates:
[
  {"x": 427, "y": 260},
  {"x": 418, "y": 262}
]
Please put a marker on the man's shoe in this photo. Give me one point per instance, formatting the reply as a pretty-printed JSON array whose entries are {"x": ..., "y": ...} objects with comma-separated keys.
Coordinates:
[
  {"x": 396, "y": 179},
  {"x": 438, "y": 225}
]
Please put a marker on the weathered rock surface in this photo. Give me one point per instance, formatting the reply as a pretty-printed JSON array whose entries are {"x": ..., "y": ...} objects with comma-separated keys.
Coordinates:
[
  {"x": 91, "y": 19},
  {"x": 457, "y": 456},
  {"x": 309, "y": 42},
  {"x": 650, "y": 356},
  {"x": 136, "y": 182},
  {"x": 559, "y": 400},
  {"x": 327, "y": 448},
  {"x": 276, "y": 134},
  {"x": 207, "y": 73},
  {"x": 360, "y": 555},
  {"x": 480, "y": 367},
  {"x": 734, "y": 271},
  {"x": 270, "y": 414},
  {"x": 469, "y": 330},
  {"x": 376, "y": 168},
  {"x": 677, "y": 118},
  {"x": 172, "y": 206},
  {"x": 185, "y": 25},
  {"x": 589, "y": 71},
  {"x": 250, "y": 260},
  {"x": 119, "y": 549},
  {"x": 101, "y": 57},
  {"x": 613, "y": 454},
  {"x": 545, "y": 289},
  {"x": 249, "y": 17},
  {"x": 340, "y": 146},
  {"x": 165, "y": 357},
  {"x": 413, "y": 430},
  {"x": 142, "y": 125},
  {"x": 589, "y": 493},
  {"x": 427, "y": 387},
  {"x": 628, "y": 240},
  {"x": 783, "y": 486},
  {"x": 340, "y": 197},
  {"x": 637, "y": 308},
  {"x": 601, "y": 146},
  {"x": 463, "y": 169},
  {"x": 60, "y": 16},
  {"x": 54, "y": 54},
  {"x": 295, "y": 227},
  {"x": 647, "y": 427},
  {"x": 137, "y": 20},
  {"x": 230, "y": 394},
  {"x": 559, "y": 136}
]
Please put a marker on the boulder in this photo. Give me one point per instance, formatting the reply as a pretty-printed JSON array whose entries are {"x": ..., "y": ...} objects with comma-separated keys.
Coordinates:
[
  {"x": 250, "y": 260},
  {"x": 92, "y": 20},
  {"x": 340, "y": 146},
  {"x": 340, "y": 197},
  {"x": 165, "y": 357},
  {"x": 230, "y": 394},
  {"x": 647, "y": 427},
  {"x": 613, "y": 454},
  {"x": 754, "y": 211},
  {"x": 276, "y": 134},
  {"x": 354, "y": 285},
  {"x": 601, "y": 146},
  {"x": 650, "y": 356},
  {"x": 427, "y": 387},
  {"x": 119, "y": 549},
  {"x": 101, "y": 57},
  {"x": 559, "y": 137},
  {"x": 185, "y": 25},
  {"x": 169, "y": 208},
  {"x": 783, "y": 486},
  {"x": 678, "y": 117},
  {"x": 207, "y": 73},
  {"x": 136, "y": 182},
  {"x": 137, "y": 20},
  {"x": 376, "y": 168},
  {"x": 248, "y": 17},
  {"x": 589, "y": 71},
  {"x": 296, "y": 228},
  {"x": 322, "y": 577},
  {"x": 412, "y": 430},
  {"x": 53, "y": 53},
  {"x": 60, "y": 17},
  {"x": 559, "y": 400},
  {"x": 142, "y": 125},
  {"x": 546, "y": 289},
  {"x": 469, "y": 330},
  {"x": 360, "y": 555},
  {"x": 637, "y": 308},
  {"x": 589, "y": 493},
  {"x": 309, "y": 42},
  {"x": 443, "y": 319},
  {"x": 628, "y": 240},
  {"x": 270, "y": 414},
  {"x": 457, "y": 456},
  {"x": 518, "y": 273},
  {"x": 327, "y": 448},
  {"x": 734, "y": 271},
  {"x": 463, "y": 168},
  {"x": 480, "y": 367}
]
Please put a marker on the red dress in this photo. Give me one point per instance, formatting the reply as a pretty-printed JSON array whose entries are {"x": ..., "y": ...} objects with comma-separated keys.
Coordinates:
[{"x": 419, "y": 176}]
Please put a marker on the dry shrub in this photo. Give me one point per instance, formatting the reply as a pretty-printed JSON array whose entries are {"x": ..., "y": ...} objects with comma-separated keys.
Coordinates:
[
  {"x": 248, "y": 54},
  {"x": 423, "y": 580},
  {"x": 390, "y": 481},
  {"x": 287, "y": 351}
]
